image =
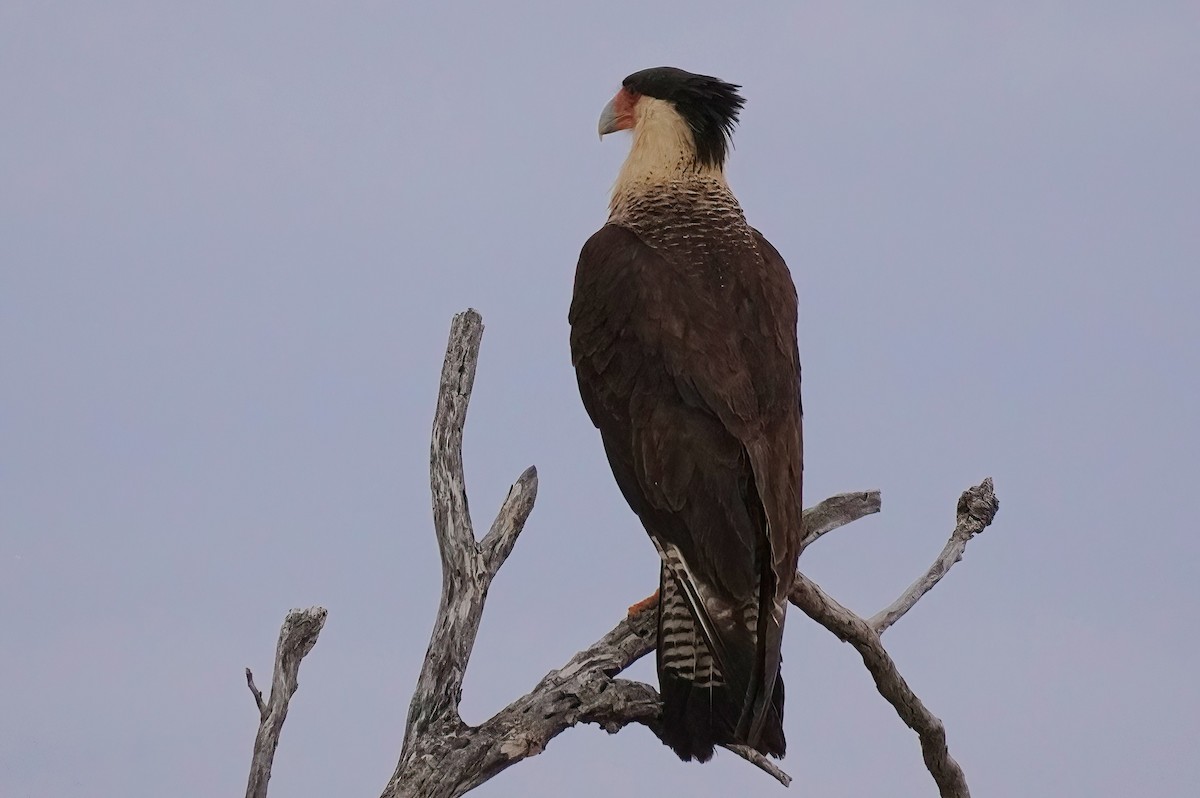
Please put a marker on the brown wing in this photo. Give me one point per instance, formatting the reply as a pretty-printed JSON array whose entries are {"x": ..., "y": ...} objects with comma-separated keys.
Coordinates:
[{"x": 691, "y": 373}]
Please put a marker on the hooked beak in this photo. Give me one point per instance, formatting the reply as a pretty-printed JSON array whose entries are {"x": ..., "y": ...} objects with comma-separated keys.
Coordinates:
[{"x": 608, "y": 118}]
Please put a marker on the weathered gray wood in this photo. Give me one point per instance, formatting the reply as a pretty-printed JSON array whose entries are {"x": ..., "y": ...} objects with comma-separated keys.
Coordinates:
[
  {"x": 443, "y": 757},
  {"x": 891, "y": 685},
  {"x": 976, "y": 508},
  {"x": 453, "y": 758},
  {"x": 435, "y": 733},
  {"x": 834, "y": 512},
  {"x": 440, "y": 685},
  {"x": 258, "y": 696},
  {"x": 498, "y": 543},
  {"x": 297, "y": 637}
]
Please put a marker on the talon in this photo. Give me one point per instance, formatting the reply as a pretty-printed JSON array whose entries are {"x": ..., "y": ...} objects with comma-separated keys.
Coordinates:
[{"x": 645, "y": 604}]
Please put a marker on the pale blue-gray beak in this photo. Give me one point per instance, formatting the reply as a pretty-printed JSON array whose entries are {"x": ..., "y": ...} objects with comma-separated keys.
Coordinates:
[{"x": 608, "y": 118}]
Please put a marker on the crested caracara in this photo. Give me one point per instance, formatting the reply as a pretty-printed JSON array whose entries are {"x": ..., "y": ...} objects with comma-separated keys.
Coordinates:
[{"x": 683, "y": 337}]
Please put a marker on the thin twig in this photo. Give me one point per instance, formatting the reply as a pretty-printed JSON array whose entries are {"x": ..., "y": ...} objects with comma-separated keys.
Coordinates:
[
  {"x": 761, "y": 762},
  {"x": 258, "y": 696}
]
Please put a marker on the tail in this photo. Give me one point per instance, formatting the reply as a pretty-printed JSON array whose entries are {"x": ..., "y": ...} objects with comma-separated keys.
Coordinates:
[{"x": 703, "y": 707}]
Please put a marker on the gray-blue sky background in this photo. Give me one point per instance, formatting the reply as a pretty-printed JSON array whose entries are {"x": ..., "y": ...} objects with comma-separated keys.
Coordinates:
[{"x": 232, "y": 237}]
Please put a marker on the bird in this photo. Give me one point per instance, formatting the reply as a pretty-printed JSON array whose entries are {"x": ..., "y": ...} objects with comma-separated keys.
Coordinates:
[{"x": 683, "y": 339}]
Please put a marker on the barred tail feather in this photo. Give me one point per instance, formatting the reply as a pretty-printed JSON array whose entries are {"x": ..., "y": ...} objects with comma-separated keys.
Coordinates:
[{"x": 702, "y": 708}]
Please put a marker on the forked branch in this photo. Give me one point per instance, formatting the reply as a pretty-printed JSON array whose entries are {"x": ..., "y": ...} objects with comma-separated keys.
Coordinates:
[{"x": 443, "y": 757}]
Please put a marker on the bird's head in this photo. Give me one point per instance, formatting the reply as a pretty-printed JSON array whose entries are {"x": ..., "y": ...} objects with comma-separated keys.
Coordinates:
[{"x": 678, "y": 119}]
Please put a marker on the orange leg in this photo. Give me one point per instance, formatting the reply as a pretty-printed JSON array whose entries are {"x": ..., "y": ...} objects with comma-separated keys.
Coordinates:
[{"x": 647, "y": 603}]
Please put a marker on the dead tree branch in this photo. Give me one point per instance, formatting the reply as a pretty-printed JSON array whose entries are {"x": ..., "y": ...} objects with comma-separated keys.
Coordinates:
[
  {"x": 443, "y": 757},
  {"x": 435, "y": 733},
  {"x": 258, "y": 698},
  {"x": 976, "y": 509},
  {"x": 838, "y": 511},
  {"x": 296, "y": 638}
]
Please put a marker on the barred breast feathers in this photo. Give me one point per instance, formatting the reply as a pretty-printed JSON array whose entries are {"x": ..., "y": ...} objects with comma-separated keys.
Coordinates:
[{"x": 669, "y": 199}]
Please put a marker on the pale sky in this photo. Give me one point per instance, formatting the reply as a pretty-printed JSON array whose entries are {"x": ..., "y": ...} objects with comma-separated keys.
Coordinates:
[{"x": 232, "y": 238}]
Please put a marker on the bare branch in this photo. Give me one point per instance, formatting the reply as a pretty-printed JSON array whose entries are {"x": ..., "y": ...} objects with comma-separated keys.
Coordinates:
[
  {"x": 851, "y": 629},
  {"x": 443, "y": 757},
  {"x": 435, "y": 702},
  {"x": 761, "y": 762},
  {"x": 838, "y": 511},
  {"x": 500, "y": 539},
  {"x": 976, "y": 509},
  {"x": 297, "y": 637},
  {"x": 468, "y": 568},
  {"x": 439, "y": 687},
  {"x": 451, "y": 516},
  {"x": 584, "y": 690}
]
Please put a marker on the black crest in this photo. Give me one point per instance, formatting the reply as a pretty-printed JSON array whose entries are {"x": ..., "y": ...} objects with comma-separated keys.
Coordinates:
[{"x": 709, "y": 105}]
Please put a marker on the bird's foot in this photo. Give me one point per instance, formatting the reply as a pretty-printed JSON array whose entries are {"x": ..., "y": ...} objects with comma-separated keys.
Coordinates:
[{"x": 647, "y": 603}]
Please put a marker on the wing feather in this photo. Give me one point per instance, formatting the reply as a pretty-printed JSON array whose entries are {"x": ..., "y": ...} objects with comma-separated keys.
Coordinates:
[{"x": 694, "y": 386}]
